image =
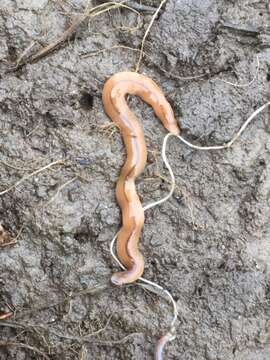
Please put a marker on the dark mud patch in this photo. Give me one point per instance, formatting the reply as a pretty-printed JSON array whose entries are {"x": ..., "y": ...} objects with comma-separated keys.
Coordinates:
[{"x": 209, "y": 245}]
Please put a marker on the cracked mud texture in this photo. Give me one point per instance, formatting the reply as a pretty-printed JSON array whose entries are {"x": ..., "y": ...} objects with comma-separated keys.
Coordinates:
[{"x": 209, "y": 244}]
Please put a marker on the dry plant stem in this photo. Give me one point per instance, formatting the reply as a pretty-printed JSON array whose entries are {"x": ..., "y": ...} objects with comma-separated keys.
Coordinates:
[
  {"x": 115, "y": 342},
  {"x": 114, "y": 5},
  {"x": 101, "y": 51},
  {"x": 84, "y": 338},
  {"x": 89, "y": 291},
  {"x": 146, "y": 33},
  {"x": 15, "y": 167},
  {"x": 31, "y": 132},
  {"x": 58, "y": 162},
  {"x": 12, "y": 242},
  {"x": 61, "y": 187},
  {"x": 25, "y": 346},
  {"x": 34, "y": 327},
  {"x": 66, "y": 35},
  {"x": 24, "y": 53},
  {"x": 71, "y": 30}
]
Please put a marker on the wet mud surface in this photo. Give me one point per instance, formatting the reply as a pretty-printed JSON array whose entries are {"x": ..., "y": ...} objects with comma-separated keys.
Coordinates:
[{"x": 209, "y": 244}]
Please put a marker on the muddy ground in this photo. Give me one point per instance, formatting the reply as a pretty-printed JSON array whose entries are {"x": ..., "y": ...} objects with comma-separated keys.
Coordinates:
[{"x": 209, "y": 244}]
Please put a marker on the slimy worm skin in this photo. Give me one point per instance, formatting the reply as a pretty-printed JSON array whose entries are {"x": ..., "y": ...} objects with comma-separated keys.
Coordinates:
[{"x": 114, "y": 100}]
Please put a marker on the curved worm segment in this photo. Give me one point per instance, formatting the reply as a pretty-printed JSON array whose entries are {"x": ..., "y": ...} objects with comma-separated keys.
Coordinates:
[{"x": 116, "y": 107}]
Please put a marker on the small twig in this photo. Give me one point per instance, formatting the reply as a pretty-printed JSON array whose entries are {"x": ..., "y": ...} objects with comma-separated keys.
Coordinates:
[
  {"x": 83, "y": 339},
  {"x": 249, "y": 30},
  {"x": 33, "y": 327},
  {"x": 146, "y": 33},
  {"x": 12, "y": 242},
  {"x": 66, "y": 35},
  {"x": 113, "y": 5},
  {"x": 142, "y": 7},
  {"x": 25, "y": 346},
  {"x": 24, "y": 53},
  {"x": 60, "y": 188},
  {"x": 116, "y": 342},
  {"x": 80, "y": 339},
  {"x": 101, "y": 51},
  {"x": 58, "y": 162},
  {"x": 18, "y": 234},
  {"x": 34, "y": 129},
  {"x": 14, "y": 167}
]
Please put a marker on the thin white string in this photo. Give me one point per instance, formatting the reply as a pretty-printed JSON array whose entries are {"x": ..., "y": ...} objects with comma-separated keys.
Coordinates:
[
  {"x": 171, "y": 333},
  {"x": 151, "y": 283},
  {"x": 166, "y": 162},
  {"x": 234, "y": 138},
  {"x": 245, "y": 84}
]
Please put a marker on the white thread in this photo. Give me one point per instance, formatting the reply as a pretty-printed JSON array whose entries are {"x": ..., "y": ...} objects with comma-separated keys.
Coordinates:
[{"x": 171, "y": 333}]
